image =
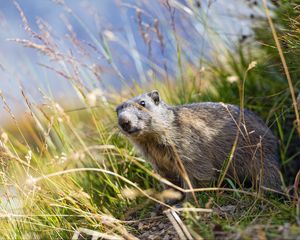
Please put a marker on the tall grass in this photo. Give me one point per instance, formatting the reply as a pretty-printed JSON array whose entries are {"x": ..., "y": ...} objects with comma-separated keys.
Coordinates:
[{"x": 63, "y": 170}]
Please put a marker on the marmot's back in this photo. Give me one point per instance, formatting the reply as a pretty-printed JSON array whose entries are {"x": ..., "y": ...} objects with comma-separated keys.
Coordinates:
[
  {"x": 207, "y": 132},
  {"x": 203, "y": 136}
]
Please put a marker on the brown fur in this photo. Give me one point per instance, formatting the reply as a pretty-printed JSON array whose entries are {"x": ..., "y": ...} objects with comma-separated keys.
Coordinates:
[{"x": 202, "y": 134}]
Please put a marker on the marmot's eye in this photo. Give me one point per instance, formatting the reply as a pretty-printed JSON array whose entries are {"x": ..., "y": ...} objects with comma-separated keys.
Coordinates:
[{"x": 142, "y": 103}]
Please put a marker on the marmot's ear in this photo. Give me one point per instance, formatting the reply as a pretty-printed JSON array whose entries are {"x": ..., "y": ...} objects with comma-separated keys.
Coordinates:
[{"x": 155, "y": 96}]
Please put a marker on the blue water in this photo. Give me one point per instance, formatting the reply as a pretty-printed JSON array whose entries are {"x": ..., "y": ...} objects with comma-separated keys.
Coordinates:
[{"x": 115, "y": 24}]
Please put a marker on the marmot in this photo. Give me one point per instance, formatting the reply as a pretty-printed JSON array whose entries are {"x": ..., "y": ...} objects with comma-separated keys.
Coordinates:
[{"x": 202, "y": 135}]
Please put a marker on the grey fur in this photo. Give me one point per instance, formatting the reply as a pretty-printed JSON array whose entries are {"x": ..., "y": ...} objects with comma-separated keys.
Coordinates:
[{"x": 202, "y": 134}]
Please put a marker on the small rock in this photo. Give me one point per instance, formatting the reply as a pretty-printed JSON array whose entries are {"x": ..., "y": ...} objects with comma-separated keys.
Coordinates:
[
  {"x": 228, "y": 208},
  {"x": 166, "y": 237},
  {"x": 153, "y": 214},
  {"x": 140, "y": 226},
  {"x": 161, "y": 225}
]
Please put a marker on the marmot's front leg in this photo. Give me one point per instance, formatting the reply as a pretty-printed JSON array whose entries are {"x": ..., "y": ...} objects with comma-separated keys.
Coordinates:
[
  {"x": 175, "y": 201},
  {"x": 178, "y": 181},
  {"x": 171, "y": 201}
]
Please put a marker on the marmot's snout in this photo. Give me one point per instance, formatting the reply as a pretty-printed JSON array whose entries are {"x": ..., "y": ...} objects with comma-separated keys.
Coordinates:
[
  {"x": 128, "y": 122},
  {"x": 125, "y": 123},
  {"x": 123, "y": 119}
]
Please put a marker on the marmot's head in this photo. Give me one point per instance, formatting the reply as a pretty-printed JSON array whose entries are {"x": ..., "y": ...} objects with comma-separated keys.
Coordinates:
[{"x": 135, "y": 116}]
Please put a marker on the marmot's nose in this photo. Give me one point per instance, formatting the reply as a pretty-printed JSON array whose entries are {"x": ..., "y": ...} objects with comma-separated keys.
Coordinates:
[{"x": 125, "y": 123}]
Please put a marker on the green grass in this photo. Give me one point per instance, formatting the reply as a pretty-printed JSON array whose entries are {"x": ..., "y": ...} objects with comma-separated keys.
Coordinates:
[{"x": 68, "y": 170}]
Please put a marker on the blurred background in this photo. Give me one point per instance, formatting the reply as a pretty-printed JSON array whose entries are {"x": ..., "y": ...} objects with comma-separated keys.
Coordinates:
[{"x": 115, "y": 43}]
